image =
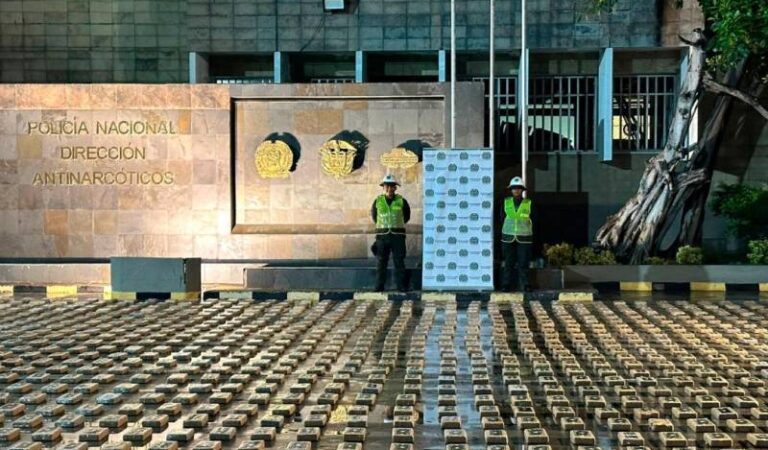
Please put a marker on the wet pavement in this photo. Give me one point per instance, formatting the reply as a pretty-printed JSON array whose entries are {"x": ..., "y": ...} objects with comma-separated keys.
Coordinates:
[{"x": 642, "y": 371}]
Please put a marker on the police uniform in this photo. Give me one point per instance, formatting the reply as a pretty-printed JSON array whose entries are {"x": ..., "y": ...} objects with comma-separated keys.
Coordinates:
[
  {"x": 516, "y": 242},
  {"x": 390, "y": 217}
]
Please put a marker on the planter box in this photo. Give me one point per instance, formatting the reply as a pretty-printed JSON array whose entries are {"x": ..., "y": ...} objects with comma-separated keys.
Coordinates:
[{"x": 729, "y": 274}]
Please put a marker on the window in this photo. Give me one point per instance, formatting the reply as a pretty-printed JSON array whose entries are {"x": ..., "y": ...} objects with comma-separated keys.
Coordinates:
[
  {"x": 561, "y": 113},
  {"x": 642, "y": 110}
]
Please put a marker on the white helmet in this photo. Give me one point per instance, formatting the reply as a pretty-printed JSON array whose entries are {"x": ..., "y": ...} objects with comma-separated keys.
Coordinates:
[
  {"x": 389, "y": 179},
  {"x": 516, "y": 182}
]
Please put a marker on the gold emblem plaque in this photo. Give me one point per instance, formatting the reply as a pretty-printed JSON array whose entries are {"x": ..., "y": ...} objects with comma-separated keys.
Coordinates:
[
  {"x": 274, "y": 159},
  {"x": 399, "y": 158},
  {"x": 337, "y": 158}
]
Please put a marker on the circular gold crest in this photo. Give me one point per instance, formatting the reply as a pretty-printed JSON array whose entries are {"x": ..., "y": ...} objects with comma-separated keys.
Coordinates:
[{"x": 273, "y": 159}]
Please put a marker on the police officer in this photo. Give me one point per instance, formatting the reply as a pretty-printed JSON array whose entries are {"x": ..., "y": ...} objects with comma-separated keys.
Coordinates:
[
  {"x": 390, "y": 212},
  {"x": 516, "y": 237}
]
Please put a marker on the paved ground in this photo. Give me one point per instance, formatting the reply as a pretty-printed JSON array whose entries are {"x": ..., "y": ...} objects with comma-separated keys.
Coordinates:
[{"x": 231, "y": 374}]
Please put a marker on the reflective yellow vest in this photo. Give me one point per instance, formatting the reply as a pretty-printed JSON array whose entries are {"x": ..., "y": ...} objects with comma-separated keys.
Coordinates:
[
  {"x": 389, "y": 217},
  {"x": 517, "y": 221}
]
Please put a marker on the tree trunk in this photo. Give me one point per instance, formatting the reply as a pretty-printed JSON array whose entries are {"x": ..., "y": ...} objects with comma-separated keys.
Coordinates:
[{"x": 673, "y": 189}]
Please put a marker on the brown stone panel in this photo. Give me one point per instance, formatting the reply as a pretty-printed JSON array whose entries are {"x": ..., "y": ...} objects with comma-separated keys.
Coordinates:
[
  {"x": 181, "y": 245},
  {"x": 208, "y": 96},
  {"x": 7, "y": 133},
  {"x": 210, "y": 122},
  {"x": 60, "y": 245},
  {"x": 304, "y": 246},
  {"x": 78, "y": 96},
  {"x": 9, "y": 222},
  {"x": 9, "y": 171},
  {"x": 13, "y": 247},
  {"x": 103, "y": 96},
  {"x": 105, "y": 245},
  {"x": 29, "y": 147},
  {"x": 231, "y": 247},
  {"x": 128, "y": 97},
  {"x": 105, "y": 222},
  {"x": 31, "y": 222},
  {"x": 318, "y": 121},
  {"x": 80, "y": 222},
  {"x": 357, "y": 245},
  {"x": 156, "y": 96},
  {"x": 330, "y": 246},
  {"x": 356, "y": 105},
  {"x": 81, "y": 245},
  {"x": 156, "y": 222},
  {"x": 131, "y": 198},
  {"x": 205, "y": 197},
  {"x": 30, "y": 197},
  {"x": 255, "y": 246},
  {"x": 56, "y": 197},
  {"x": 37, "y": 96},
  {"x": 179, "y": 98},
  {"x": 7, "y": 96},
  {"x": 206, "y": 245},
  {"x": 204, "y": 172},
  {"x": 106, "y": 198},
  {"x": 56, "y": 222},
  {"x": 155, "y": 245},
  {"x": 131, "y": 245},
  {"x": 81, "y": 197},
  {"x": 182, "y": 171},
  {"x": 280, "y": 247}
]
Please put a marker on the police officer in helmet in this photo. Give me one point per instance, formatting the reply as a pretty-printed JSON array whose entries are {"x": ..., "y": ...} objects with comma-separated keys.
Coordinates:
[
  {"x": 516, "y": 237},
  {"x": 390, "y": 212}
]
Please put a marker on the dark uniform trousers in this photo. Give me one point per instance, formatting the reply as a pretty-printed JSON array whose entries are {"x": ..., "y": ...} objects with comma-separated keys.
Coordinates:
[
  {"x": 517, "y": 259},
  {"x": 387, "y": 244}
]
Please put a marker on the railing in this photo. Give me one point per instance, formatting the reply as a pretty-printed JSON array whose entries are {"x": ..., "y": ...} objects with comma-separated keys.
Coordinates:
[
  {"x": 243, "y": 80},
  {"x": 642, "y": 109},
  {"x": 341, "y": 80},
  {"x": 562, "y": 114}
]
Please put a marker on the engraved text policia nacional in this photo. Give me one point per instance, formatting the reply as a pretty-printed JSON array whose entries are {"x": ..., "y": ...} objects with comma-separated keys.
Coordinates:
[{"x": 98, "y": 153}]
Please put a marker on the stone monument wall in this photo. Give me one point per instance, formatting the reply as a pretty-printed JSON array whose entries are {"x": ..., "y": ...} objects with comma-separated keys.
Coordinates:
[{"x": 172, "y": 170}]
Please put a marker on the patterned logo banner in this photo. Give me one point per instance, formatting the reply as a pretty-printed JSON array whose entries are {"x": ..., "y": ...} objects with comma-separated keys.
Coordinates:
[{"x": 458, "y": 219}]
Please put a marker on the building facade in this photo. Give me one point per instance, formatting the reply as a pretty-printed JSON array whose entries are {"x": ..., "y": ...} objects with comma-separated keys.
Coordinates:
[
  {"x": 585, "y": 160},
  {"x": 148, "y": 41}
]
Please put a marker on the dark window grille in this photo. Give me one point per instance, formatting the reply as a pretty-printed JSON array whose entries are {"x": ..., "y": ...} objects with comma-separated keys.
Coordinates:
[
  {"x": 642, "y": 110},
  {"x": 332, "y": 80},
  {"x": 561, "y": 113},
  {"x": 243, "y": 80}
]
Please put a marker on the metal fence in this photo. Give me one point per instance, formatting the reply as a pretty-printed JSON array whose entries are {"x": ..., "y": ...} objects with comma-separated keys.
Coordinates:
[
  {"x": 642, "y": 109},
  {"x": 243, "y": 80},
  {"x": 562, "y": 114},
  {"x": 340, "y": 80}
]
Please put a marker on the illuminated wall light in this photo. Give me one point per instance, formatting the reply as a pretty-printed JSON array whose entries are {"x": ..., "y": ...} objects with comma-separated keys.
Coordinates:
[{"x": 334, "y": 5}]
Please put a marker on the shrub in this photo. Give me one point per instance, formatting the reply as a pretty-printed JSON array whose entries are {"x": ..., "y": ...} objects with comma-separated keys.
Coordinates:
[
  {"x": 588, "y": 256},
  {"x": 656, "y": 261},
  {"x": 688, "y": 255},
  {"x": 559, "y": 255},
  {"x": 758, "y": 251},
  {"x": 744, "y": 207}
]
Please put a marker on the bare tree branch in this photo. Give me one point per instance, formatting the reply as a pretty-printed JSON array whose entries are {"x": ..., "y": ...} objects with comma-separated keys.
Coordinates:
[
  {"x": 697, "y": 40},
  {"x": 718, "y": 88}
]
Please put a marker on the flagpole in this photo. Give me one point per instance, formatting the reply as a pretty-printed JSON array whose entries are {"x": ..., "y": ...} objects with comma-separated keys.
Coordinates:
[
  {"x": 524, "y": 94},
  {"x": 491, "y": 81},
  {"x": 453, "y": 73}
]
